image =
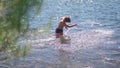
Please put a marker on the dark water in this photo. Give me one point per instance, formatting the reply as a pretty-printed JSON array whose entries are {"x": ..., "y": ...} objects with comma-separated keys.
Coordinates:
[{"x": 94, "y": 44}]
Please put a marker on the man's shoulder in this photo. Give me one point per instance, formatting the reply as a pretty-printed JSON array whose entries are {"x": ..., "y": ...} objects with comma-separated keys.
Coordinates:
[{"x": 61, "y": 22}]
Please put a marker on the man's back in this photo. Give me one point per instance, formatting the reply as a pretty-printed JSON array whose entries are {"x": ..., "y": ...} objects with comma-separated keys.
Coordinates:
[{"x": 61, "y": 25}]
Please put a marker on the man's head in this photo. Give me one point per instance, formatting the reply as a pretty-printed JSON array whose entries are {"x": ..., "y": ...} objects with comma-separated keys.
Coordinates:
[{"x": 66, "y": 19}]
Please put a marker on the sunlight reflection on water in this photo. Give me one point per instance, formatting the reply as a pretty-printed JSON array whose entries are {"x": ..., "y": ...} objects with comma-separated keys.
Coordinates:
[{"x": 94, "y": 43}]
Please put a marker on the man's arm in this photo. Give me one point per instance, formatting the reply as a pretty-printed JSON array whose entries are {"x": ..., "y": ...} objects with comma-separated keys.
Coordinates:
[{"x": 69, "y": 26}]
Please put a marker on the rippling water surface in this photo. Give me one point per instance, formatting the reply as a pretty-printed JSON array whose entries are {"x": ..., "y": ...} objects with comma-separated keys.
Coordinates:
[{"x": 94, "y": 44}]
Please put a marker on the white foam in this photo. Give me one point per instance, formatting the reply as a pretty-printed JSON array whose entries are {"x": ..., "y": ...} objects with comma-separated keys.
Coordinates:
[
  {"x": 91, "y": 23},
  {"x": 109, "y": 32},
  {"x": 79, "y": 40}
]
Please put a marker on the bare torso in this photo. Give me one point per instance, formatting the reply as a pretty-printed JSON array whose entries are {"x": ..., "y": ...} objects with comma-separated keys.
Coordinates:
[{"x": 61, "y": 25}]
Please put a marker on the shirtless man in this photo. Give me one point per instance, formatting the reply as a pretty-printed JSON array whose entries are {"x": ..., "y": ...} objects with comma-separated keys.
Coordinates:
[{"x": 62, "y": 24}]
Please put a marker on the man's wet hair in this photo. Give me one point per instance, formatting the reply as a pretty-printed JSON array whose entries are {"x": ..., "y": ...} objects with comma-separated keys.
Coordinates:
[{"x": 67, "y": 19}]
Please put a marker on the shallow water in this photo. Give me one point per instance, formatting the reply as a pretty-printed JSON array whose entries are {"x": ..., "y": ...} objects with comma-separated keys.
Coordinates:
[{"x": 94, "y": 44}]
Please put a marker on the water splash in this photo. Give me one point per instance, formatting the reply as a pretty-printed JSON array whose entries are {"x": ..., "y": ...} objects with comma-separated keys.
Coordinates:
[
  {"x": 82, "y": 39},
  {"x": 86, "y": 39}
]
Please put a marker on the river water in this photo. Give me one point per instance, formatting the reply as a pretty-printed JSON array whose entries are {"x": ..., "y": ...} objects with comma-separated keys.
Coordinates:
[{"x": 94, "y": 44}]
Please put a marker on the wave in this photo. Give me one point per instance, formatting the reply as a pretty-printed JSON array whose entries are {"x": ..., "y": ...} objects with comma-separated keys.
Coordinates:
[{"x": 79, "y": 38}]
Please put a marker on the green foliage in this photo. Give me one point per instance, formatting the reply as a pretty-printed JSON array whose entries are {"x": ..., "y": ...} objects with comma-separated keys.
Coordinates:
[
  {"x": 21, "y": 51},
  {"x": 14, "y": 23},
  {"x": 49, "y": 25}
]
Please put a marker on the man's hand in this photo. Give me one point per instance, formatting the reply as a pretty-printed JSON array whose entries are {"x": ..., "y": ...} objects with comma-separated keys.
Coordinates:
[{"x": 75, "y": 24}]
